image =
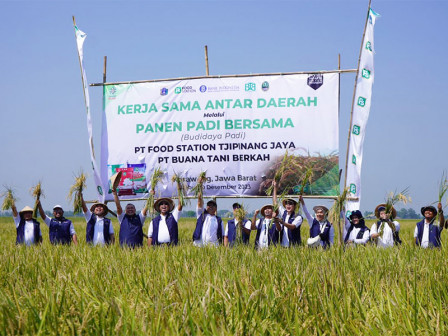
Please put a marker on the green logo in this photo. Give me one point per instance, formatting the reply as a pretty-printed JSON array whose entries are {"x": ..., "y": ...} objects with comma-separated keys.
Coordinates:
[
  {"x": 362, "y": 101},
  {"x": 366, "y": 73},
  {"x": 352, "y": 188},
  {"x": 369, "y": 46},
  {"x": 100, "y": 190},
  {"x": 356, "y": 129},
  {"x": 178, "y": 90},
  {"x": 354, "y": 159},
  {"x": 250, "y": 87}
]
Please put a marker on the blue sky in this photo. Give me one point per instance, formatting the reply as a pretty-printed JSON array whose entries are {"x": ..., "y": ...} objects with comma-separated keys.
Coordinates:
[{"x": 44, "y": 136}]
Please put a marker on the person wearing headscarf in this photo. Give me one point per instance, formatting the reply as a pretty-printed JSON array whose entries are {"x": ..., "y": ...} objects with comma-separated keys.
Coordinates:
[
  {"x": 321, "y": 230},
  {"x": 356, "y": 231},
  {"x": 385, "y": 232},
  {"x": 427, "y": 232}
]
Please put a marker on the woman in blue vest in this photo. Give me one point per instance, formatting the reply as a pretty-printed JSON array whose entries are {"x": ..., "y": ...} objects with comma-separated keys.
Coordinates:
[
  {"x": 163, "y": 229},
  {"x": 385, "y": 232},
  {"x": 60, "y": 229},
  {"x": 321, "y": 230},
  {"x": 268, "y": 228},
  {"x": 427, "y": 232},
  {"x": 209, "y": 227},
  {"x": 27, "y": 228},
  {"x": 99, "y": 229},
  {"x": 356, "y": 231},
  {"x": 237, "y": 231},
  {"x": 131, "y": 224},
  {"x": 289, "y": 220}
]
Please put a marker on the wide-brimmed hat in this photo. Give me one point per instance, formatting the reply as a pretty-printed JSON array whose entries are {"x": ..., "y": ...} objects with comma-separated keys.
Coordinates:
[
  {"x": 160, "y": 200},
  {"x": 26, "y": 209},
  {"x": 265, "y": 207},
  {"x": 94, "y": 205},
  {"x": 115, "y": 180},
  {"x": 356, "y": 213},
  {"x": 320, "y": 207},
  {"x": 288, "y": 200},
  {"x": 430, "y": 208},
  {"x": 381, "y": 207}
]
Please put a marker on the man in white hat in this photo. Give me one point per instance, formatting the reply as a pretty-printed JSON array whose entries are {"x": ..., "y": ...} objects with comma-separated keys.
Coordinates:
[
  {"x": 385, "y": 232},
  {"x": 99, "y": 230},
  {"x": 268, "y": 228},
  {"x": 28, "y": 229},
  {"x": 209, "y": 227},
  {"x": 427, "y": 232},
  {"x": 321, "y": 230},
  {"x": 60, "y": 229},
  {"x": 163, "y": 229},
  {"x": 131, "y": 224}
]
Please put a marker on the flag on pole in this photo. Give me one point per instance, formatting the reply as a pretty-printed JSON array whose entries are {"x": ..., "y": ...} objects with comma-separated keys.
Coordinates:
[
  {"x": 80, "y": 38},
  {"x": 361, "y": 110}
]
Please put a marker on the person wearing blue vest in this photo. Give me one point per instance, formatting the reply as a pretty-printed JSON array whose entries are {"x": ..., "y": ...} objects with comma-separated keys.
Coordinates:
[
  {"x": 427, "y": 233},
  {"x": 27, "y": 228},
  {"x": 60, "y": 229},
  {"x": 237, "y": 229},
  {"x": 99, "y": 230},
  {"x": 131, "y": 224},
  {"x": 209, "y": 227},
  {"x": 356, "y": 231},
  {"x": 385, "y": 232},
  {"x": 321, "y": 230},
  {"x": 289, "y": 220},
  {"x": 268, "y": 228},
  {"x": 163, "y": 229}
]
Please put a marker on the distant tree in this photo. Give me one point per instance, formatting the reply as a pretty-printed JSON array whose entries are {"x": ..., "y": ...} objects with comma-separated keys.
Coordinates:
[
  {"x": 190, "y": 213},
  {"x": 368, "y": 214},
  {"x": 402, "y": 213},
  {"x": 412, "y": 214}
]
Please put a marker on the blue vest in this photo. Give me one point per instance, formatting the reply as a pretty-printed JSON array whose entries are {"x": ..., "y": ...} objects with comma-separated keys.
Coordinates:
[
  {"x": 172, "y": 229},
  {"x": 90, "y": 229},
  {"x": 359, "y": 235},
  {"x": 21, "y": 232},
  {"x": 231, "y": 232},
  {"x": 131, "y": 231},
  {"x": 273, "y": 234},
  {"x": 60, "y": 231},
  {"x": 434, "y": 234},
  {"x": 293, "y": 235},
  {"x": 197, "y": 234},
  {"x": 324, "y": 236}
]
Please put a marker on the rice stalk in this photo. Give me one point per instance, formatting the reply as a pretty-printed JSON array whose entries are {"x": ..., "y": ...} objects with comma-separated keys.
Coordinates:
[
  {"x": 198, "y": 190},
  {"x": 9, "y": 198},
  {"x": 392, "y": 199},
  {"x": 182, "y": 188},
  {"x": 334, "y": 215},
  {"x": 76, "y": 190},
  {"x": 155, "y": 179},
  {"x": 241, "y": 213},
  {"x": 37, "y": 193},
  {"x": 283, "y": 171}
]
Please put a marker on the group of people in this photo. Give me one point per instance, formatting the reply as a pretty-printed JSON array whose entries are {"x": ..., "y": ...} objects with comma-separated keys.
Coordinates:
[{"x": 278, "y": 224}]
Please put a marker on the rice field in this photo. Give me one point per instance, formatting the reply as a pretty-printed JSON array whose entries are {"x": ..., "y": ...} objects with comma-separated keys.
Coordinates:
[{"x": 56, "y": 290}]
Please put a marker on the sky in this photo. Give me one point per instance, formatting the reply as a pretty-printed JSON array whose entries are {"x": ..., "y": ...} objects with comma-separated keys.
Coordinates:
[{"x": 44, "y": 136}]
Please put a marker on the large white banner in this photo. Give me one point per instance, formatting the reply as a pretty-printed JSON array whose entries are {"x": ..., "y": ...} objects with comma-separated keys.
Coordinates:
[
  {"x": 237, "y": 129},
  {"x": 361, "y": 110}
]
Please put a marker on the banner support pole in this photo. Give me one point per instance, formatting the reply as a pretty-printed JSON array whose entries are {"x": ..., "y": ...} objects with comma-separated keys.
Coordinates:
[{"x": 207, "y": 73}]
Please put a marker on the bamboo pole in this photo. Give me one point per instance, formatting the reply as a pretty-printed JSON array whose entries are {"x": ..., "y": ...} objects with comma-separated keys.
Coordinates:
[
  {"x": 104, "y": 69},
  {"x": 206, "y": 62},
  {"x": 354, "y": 94}
]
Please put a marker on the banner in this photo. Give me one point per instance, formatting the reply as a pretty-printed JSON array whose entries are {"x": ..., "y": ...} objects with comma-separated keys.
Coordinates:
[
  {"x": 361, "y": 110},
  {"x": 238, "y": 129},
  {"x": 80, "y": 37}
]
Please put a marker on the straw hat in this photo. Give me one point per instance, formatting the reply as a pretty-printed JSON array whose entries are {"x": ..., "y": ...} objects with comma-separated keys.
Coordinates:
[
  {"x": 383, "y": 205},
  {"x": 320, "y": 207},
  {"x": 94, "y": 205},
  {"x": 430, "y": 208},
  {"x": 265, "y": 207},
  {"x": 160, "y": 200},
  {"x": 288, "y": 200},
  {"x": 26, "y": 209},
  {"x": 115, "y": 180}
]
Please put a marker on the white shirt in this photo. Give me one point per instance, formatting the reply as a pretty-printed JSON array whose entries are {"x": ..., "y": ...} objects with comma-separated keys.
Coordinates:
[
  {"x": 263, "y": 240},
  {"x": 387, "y": 240},
  {"x": 425, "y": 238},
  {"x": 164, "y": 234},
  {"x": 310, "y": 220},
  {"x": 98, "y": 233},
  {"x": 247, "y": 225},
  {"x": 354, "y": 233},
  {"x": 28, "y": 236},
  {"x": 47, "y": 221},
  {"x": 297, "y": 222},
  {"x": 209, "y": 229}
]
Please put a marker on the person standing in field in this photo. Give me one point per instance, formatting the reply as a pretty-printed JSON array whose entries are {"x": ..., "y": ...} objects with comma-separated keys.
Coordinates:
[
  {"x": 131, "y": 224},
  {"x": 385, "y": 232},
  {"x": 427, "y": 232},
  {"x": 99, "y": 230},
  {"x": 237, "y": 230},
  {"x": 321, "y": 230},
  {"x": 268, "y": 228},
  {"x": 61, "y": 229},
  {"x": 163, "y": 229},
  {"x": 357, "y": 233},
  {"x": 27, "y": 228},
  {"x": 289, "y": 220},
  {"x": 209, "y": 227}
]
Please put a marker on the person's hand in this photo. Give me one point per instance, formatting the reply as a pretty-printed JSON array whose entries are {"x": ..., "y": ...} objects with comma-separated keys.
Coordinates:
[
  {"x": 301, "y": 200},
  {"x": 257, "y": 212},
  {"x": 152, "y": 192},
  {"x": 274, "y": 183},
  {"x": 439, "y": 207}
]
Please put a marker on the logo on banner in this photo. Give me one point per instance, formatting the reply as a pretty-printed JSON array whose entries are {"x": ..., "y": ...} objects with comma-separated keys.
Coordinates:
[
  {"x": 202, "y": 88},
  {"x": 265, "y": 86},
  {"x": 356, "y": 129},
  {"x": 354, "y": 159},
  {"x": 353, "y": 188},
  {"x": 112, "y": 92},
  {"x": 100, "y": 190},
  {"x": 365, "y": 73},
  {"x": 163, "y": 91},
  {"x": 178, "y": 90},
  {"x": 315, "y": 81},
  {"x": 250, "y": 87},
  {"x": 369, "y": 46},
  {"x": 184, "y": 89},
  {"x": 362, "y": 101}
]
